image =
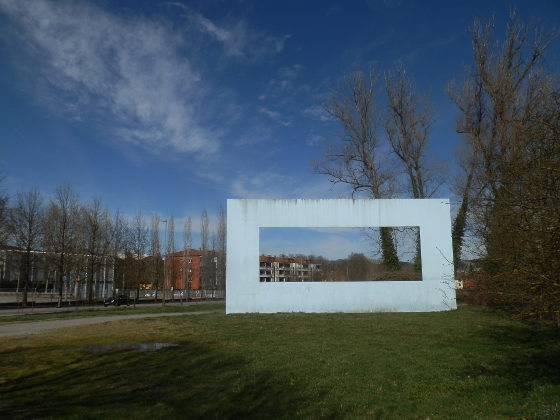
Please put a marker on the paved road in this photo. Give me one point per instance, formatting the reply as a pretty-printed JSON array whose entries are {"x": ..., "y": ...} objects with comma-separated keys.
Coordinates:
[
  {"x": 68, "y": 308},
  {"x": 24, "y": 328}
]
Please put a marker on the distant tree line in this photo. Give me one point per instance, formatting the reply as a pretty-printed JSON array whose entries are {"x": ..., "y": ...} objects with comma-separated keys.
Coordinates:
[
  {"x": 75, "y": 239},
  {"x": 508, "y": 191},
  {"x": 355, "y": 267}
]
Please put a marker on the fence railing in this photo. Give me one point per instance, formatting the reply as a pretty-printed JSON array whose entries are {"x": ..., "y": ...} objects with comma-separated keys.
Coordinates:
[
  {"x": 178, "y": 294},
  {"x": 14, "y": 296}
]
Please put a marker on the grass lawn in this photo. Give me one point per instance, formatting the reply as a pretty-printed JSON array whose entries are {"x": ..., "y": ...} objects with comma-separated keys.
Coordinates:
[{"x": 469, "y": 363}]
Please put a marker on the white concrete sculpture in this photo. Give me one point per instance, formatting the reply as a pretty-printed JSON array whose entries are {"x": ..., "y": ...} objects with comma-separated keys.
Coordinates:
[{"x": 245, "y": 293}]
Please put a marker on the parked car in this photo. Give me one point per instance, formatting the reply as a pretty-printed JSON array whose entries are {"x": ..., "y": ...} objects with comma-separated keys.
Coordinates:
[{"x": 118, "y": 301}]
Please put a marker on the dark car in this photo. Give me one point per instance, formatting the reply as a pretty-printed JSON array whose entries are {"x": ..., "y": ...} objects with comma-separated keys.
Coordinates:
[{"x": 117, "y": 301}]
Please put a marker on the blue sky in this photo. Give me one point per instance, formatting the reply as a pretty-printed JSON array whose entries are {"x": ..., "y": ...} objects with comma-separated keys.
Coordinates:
[
  {"x": 172, "y": 107},
  {"x": 333, "y": 243}
]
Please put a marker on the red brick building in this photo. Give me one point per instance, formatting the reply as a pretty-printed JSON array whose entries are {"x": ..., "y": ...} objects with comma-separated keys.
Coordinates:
[{"x": 185, "y": 266}]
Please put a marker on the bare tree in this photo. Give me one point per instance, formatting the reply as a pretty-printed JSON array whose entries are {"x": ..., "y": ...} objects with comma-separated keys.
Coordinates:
[
  {"x": 213, "y": 268},
  {"x": 205, "y": 269},
  {"x": 139, "y": 245},
  {"x": 170, "y": 250},
  {"x": 60, "y": 235},
  {"x": 356, "y": 160},
  {"x": 155, "y": 252},
  {"x": 121, "y": 250},
  {"x": 508, "y": 120},
  {"x": 221, "y": 233},
  {"x": 97, "y": 231},
  {"x": 120, "y": 242},
  {"x": 505, "y": 85},
  {"x": 472, "y": 126},
  {"x": 407, "y": 125},
  {"x": 187, "y": 245},
  {"x": 4, "y": 219},
  {"x": 129, "y": 262},
  {"x": 27, "y": 222}
]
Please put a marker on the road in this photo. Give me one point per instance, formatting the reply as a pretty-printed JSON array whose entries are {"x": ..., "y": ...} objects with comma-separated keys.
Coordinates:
[
  {"x": 68, "y": 308},
  {"x": 25, "y": 328}
]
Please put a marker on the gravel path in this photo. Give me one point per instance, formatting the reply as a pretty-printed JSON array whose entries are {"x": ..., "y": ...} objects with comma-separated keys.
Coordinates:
[{"x": 24, "y": 328}]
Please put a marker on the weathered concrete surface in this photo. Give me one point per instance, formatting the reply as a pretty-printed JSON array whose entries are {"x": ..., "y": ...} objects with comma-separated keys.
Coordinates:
[{"x": 245, "y": 293}]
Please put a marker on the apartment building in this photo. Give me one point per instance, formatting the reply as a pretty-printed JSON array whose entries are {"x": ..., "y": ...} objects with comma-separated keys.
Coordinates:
[
  {"x": 282, "y": 269},
  {"x": 188, "y": 266}
]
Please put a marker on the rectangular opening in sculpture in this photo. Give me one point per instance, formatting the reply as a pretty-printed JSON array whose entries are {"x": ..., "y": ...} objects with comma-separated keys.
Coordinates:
[{"x": 337, "y": 254}]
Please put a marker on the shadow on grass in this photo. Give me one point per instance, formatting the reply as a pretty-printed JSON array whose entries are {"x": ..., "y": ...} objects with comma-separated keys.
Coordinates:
[
  {"x": 525, "y": 354},
  {"x": 184, "y": 381}
]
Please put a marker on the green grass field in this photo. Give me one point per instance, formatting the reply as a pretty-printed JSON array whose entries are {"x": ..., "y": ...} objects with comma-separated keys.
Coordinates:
[{"x": 469, "y": 363}]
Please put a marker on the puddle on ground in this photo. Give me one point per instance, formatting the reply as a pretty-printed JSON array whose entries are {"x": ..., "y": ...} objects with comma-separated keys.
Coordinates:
[{"x": 108, "y": 348}]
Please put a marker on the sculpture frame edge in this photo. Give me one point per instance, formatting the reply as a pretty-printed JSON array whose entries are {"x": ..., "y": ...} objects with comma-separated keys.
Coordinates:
[{"x": 246, "y": 294}]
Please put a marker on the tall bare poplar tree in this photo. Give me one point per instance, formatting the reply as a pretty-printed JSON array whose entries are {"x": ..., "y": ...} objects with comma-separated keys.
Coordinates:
[
  {"x": 97, "y": 239},
  {"x": 205, "y": 269},
  {"x": 4, "y": 220},
  {"x": 139, "y": 245},
  {"x": 221, "y": 233},
  {"x": 187, "y": 245},
  {"x": 355, "y": 160},
  {"x": 170, "y": 250},
  {"x": 27, "y": 223},
  {"x": 61, "y": 232},
  {"x": 120, "y": 244},
  {"x": 408, "y": 122},
  {"x": 472, "y": 124},
  {"x": 155, "y": 252}
]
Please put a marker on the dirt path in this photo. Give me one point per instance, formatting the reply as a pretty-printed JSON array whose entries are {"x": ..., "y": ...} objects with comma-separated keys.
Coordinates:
[{"x": 24, "y": 328}]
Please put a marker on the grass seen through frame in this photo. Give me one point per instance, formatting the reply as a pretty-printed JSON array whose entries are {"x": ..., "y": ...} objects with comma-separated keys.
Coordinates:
[{"x": 468, "y": 363}]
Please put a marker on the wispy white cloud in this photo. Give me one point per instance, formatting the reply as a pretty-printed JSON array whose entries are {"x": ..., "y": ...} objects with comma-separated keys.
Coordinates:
[
  {"x": 221, "y": 34},
  {"x": 314, "y": 140},
  {"x": 255, "y": 134},
  {"x": 317, "y": 113},
  {"x": 95, "y": 63},
  {"x": 235, "y": 39},
  {"x": 318, "y": 186},
  {"x": 282, "y": 185},
  {"x": 285, "y": 80},
  {"x": 272, "y": 114},
  {"x": 238, "y": 39},
  {"x": 261, "y": 185},
  {"x": 276, "y": 116},
  {"x": 288, "y": 74}
]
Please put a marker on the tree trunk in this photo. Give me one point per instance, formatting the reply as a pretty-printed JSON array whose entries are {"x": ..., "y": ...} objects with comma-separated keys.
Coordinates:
[
  {"x": 458, "y": 230},
  {"x": 390, "y": 258}
]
